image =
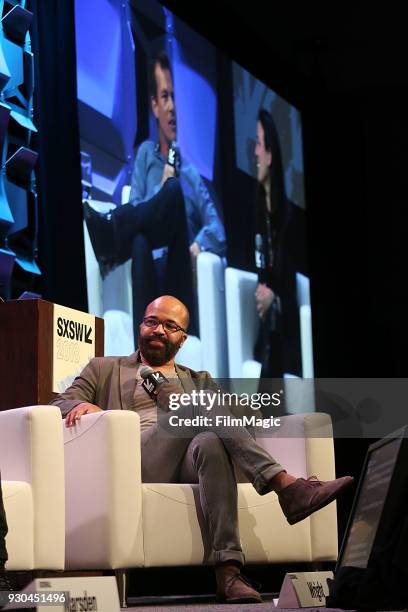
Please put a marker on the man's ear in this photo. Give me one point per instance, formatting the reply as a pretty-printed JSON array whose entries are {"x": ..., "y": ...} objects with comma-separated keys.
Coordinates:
[
  {"x": 183, "y": 339},
  {"x": 155, "y": 108}
]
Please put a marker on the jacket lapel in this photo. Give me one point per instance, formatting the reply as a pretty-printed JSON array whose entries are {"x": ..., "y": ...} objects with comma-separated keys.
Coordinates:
[
  {"x": 127, "y": 379},
  {"x": 185, "y": 378}
]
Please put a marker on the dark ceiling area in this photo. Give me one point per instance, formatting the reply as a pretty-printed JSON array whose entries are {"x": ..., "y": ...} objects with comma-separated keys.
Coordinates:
[{"x": 303, "y": 46}]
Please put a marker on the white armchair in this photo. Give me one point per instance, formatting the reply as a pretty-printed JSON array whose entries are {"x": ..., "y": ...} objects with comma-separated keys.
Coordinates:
[
  {"x": 113, "y": 520},
  {"x": 32, "y": 473}
]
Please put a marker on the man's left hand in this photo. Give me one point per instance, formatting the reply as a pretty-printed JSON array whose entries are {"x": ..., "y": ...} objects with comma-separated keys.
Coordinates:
[
  {"x": 163, "y": 396},
  {"x": 264, "y": 297}
]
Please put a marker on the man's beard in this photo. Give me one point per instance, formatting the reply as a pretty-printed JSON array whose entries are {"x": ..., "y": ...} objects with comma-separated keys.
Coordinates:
[{"x": 157, "y": 355}]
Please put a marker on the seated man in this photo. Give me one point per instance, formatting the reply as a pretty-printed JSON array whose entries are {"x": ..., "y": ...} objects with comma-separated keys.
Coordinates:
[
  {"x": 201, "y": 231},
  {"x": 202, "y": 454}
]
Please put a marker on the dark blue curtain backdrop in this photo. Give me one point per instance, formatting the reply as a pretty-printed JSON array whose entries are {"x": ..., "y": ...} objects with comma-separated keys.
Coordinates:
[{"x": 61, "y": 247}]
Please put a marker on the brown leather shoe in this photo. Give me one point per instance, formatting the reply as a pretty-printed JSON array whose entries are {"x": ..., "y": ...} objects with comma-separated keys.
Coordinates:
[
  {"x": 232, "y": 587},
  {"x": 304, "y": 497}
]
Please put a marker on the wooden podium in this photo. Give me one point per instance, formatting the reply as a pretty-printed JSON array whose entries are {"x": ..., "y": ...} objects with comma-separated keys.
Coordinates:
[{"x": 26, "y": 351}]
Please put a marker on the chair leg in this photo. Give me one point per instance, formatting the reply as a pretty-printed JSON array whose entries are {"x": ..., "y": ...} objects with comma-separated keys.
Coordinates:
[{"x": 121, "y": 576}]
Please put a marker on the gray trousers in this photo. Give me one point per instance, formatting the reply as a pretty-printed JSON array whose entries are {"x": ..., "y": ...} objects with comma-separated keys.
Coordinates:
[{"x": 205, "y": 455}]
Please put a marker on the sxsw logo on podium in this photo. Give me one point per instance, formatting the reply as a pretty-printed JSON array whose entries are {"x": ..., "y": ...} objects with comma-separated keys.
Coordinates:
[
  {"x": 73, "y": 330},
  {"x": 73, "y": 345}
]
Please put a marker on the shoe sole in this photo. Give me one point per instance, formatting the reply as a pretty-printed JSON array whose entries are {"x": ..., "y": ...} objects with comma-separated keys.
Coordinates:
[
  {"x": 302, "y": 515},
  {"x": 244, "y": 600}
]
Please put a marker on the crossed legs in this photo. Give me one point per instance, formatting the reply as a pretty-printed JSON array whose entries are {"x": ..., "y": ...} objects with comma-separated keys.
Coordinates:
[{"x": 205, "y": 455}]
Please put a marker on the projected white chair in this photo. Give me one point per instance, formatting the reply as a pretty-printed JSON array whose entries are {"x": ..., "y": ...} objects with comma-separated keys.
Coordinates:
[
  {"x": 242, "y": 323},
  {"x": 113, "y": 520},
  {"x": 212, "y": 314},
  {"x": 305, "y": 314},
  {"x": 243, "y": 326},
  {"x": 110, "y": 298},
  {"x": 32, "y": 473}
]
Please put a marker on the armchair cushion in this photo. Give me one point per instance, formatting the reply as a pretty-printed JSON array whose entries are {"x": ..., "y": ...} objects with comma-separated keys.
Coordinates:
[
  {"x": 103, "y": 492},
  {"x": 31, "y": 455}
]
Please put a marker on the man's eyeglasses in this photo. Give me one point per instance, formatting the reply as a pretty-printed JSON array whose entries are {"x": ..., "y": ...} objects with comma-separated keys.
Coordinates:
[{"x": 169, "y": 326}]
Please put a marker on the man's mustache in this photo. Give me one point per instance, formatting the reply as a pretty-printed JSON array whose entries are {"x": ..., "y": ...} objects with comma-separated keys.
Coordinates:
[{"x": 164, "y": 341}]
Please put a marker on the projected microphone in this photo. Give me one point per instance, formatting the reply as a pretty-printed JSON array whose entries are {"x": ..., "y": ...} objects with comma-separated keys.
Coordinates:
[
  {"x": 152, "y": 381},
  {"x": 260, "y": 263},
  {"x": 259, "y": 253},
  {"x": 174, "y": 157}
]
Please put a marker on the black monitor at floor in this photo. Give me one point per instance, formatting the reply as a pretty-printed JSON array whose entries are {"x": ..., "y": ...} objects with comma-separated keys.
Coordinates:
[{"x": 372, "y": 569}]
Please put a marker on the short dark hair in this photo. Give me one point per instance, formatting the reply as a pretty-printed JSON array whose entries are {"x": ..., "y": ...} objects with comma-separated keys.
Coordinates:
[{"x": 162, "y": 59}]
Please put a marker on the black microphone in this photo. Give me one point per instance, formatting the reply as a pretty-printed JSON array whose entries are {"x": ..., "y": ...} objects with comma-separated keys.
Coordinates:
[
  {"x": 174, "y": 157},
  {"x": 152, "y": 381}
]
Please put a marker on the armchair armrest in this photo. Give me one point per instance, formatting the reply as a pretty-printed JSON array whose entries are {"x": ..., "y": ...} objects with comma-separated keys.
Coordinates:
[
  {"x": 103, "y": 491},
  {"x": 304, "y": 447},
  {"x": 31, "y": 451},
  {"x": 303, "y": 444}
]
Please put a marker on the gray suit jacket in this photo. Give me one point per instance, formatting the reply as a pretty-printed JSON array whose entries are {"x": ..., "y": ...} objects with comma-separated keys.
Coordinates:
[{"x": 109, "y": 382}]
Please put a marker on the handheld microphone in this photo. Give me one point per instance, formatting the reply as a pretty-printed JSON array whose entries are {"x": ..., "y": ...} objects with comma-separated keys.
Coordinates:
[
  {"x": 174, "y": 157},
  {"x": 152, "y": 381}
]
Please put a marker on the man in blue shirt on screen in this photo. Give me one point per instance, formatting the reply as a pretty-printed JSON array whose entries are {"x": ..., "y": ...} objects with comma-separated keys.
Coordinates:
[
  {"x": 154, "y": 164},
  {"x": 153, "y": 236},
  {"x": 205, "y": 229}
]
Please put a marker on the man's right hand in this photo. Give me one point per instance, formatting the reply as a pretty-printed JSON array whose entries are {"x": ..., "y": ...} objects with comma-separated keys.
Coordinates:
[
  {"x": 168, "y": 172},
  {"x": 264, "y": 297},
  {"x": 75, "y": 414}
]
